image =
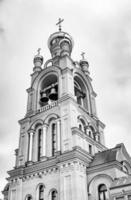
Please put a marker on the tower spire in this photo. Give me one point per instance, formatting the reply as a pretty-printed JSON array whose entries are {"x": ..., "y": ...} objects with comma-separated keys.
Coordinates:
[{"x": 59, "y": 23}]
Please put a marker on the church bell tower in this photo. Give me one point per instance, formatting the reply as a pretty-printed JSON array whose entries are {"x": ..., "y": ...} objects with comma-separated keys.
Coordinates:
[{"x": 60, "y": 132}]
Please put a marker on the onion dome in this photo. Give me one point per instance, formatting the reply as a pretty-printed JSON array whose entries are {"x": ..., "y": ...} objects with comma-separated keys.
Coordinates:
[
  {"x": 60, "y": 44},
  {"x": 84, "y": 64},
  {"x": 38, "y": 61}
]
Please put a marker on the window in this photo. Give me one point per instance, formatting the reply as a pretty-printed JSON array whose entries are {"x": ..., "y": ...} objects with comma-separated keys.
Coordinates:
[
  {"x": 81, "y": 92},
  {"x": 102, "y": 192},
  {"x": 41, "y": 192},
  {"x": 78, "y": 93},
  {"x": 54, "y": 195},
  {"x": 29, "y": 197},
  {"x": 90, "y": 149},
  {"x": 90, "y": 134},
  {"x": 80, "y": 126},
  {"x": 13, "y": 194},
  {"x": 53, "y": 139},
  {"x": 129, "y": 197},
  {"x": 39, "y": 144}
]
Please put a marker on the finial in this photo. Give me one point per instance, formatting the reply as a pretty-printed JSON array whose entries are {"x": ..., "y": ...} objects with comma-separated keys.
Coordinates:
[
  {"x": 39, "y": 49},
  {"x": 59, "y": 23},
  {"x": 83, "y": 55}
]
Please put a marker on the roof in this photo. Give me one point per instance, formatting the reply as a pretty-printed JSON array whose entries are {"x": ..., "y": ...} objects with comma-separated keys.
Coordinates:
[{"x": 118, "y": 153}]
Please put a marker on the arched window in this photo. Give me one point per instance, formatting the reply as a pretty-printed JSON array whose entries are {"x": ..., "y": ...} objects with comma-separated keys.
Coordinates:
[
  {"x": 28, "y": 197},
  {"x": 54, "y": 195},
  {"x": 39, "y": 143},
  {"x": 78, "y": 93},
  {"x": 81, "y": 92},
  {"x": 53, "y": 130},
  {"x": 41, "y": 192},
  {"x": 91, "y": 132},
  {"x": 102, "y": 192},
  {"x": 81, "y": 124}
]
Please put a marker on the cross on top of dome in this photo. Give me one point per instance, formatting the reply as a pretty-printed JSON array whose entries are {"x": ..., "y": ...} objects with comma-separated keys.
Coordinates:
[
  {"x": 39, "y": 49},
  {"x": 83, "y": 55},
  {"x": 59, "y": 23}
]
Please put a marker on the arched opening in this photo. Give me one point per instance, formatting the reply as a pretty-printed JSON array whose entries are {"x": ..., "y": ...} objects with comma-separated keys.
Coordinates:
[
  {"x": 91, "y": 132},
  {"x": 41, "y": 192},
  {"x": 54, "y": 195},
  {"x": 80, "y": 92},
  {"x": 102, "y": 192},
  {"x": 28, "y": 197},
  {"x": 49, "y": 90},
  {"x": 53, "y": 132},
  {"x": 82, "y": 124},
  {"x": 39, "y": 131}
]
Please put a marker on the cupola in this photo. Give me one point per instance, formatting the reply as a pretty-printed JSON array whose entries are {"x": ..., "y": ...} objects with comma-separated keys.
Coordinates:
[
  {"x": 84, "y": 64},
  {"x": 60, "y": 43},
  {"x": 38, "y": 61}
]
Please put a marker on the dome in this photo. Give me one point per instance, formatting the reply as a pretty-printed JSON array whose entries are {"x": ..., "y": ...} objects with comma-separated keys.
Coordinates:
[
  {"x": 84, "y": 63},
  {"x": 38, "y": 61},
  {"x": 60, "y": 43},
  {"x": 38, "y": 58}
]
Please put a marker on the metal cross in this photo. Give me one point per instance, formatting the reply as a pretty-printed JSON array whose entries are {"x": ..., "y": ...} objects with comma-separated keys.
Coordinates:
[
  {"x": 39, "y": 49},
  {"x": 59, "y": 23},
  {"x": 83, "y": 55}
]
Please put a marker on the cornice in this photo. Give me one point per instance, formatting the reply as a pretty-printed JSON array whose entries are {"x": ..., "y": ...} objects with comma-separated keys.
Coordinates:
[
  {"x": 120, "y": 186},
  {"x": 51, "y": 163},
  {"x": 76, "y": 131},
  {"x": 105, "y": 166},
  {"x": 24, "y": 120}
]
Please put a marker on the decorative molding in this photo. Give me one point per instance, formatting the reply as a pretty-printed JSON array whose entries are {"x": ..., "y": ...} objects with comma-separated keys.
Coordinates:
[{"x": 52, "y": 164}]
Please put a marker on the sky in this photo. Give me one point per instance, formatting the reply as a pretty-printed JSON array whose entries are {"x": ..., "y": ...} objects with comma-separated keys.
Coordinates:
[{"x": 102, "y": 29}]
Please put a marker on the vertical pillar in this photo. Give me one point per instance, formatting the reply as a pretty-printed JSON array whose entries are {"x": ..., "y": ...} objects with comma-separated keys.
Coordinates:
[
  {"x": 44, "y": 139},
  {"x": 86, "y": 130},
  {"x": 58, "y": 135},
  {"x": 30, "y": 146}
]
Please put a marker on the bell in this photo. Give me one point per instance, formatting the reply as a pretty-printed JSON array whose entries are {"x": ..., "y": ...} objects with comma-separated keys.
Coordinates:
[
  {"x": 44, "y": 98},
  {"x": 53, "y": 95}
]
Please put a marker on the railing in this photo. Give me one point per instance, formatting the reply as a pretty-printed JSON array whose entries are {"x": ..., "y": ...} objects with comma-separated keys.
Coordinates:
[{"x": 49, "y": 106}]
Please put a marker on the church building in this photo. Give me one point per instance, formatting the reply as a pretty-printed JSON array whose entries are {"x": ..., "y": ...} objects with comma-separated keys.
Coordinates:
[{"x": 61, "y": 153}]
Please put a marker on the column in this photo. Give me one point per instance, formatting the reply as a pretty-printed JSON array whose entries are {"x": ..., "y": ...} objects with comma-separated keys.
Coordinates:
[
  {"x": 58, "y": 135},
  {"x": 30, "y": 146},
  {"x": 86, "y": 130},
  {"x": 44, "y": 139}
]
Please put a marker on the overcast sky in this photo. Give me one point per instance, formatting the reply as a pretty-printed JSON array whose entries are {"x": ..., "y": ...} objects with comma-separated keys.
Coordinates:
[{"x": 100, "y": 28}]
